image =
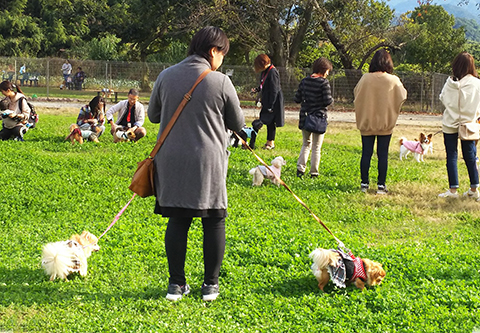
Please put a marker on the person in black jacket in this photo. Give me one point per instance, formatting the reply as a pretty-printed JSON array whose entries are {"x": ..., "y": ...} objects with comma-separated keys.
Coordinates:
[
  {"x": 315, "y": 95},
  {"x": 272, "y": 113}
]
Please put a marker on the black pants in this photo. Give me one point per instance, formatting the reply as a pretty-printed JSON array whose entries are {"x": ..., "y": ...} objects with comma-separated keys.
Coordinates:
[
  {"x": 7, "y": 133},
  {"x": 383, "y": 141},
  {"x": 213, "y": 248},
  {"x": 271, "y": 131}
]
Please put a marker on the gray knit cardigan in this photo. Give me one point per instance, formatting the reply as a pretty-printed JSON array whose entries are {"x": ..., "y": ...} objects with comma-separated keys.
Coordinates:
[{"x": 191, "y": 166}]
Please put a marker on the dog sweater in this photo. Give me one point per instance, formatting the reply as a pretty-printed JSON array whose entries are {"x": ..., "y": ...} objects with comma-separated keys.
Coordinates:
[
  {"x": 414, "y": 146},
  {"x": 269, "y": 175}
]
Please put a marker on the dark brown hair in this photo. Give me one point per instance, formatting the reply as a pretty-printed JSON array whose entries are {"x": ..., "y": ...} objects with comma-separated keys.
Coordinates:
[
  {"x": 462, "y": 65},
  {"x": 260, "y": 62},
  {"x": 94, "y": 104},
  {"x": 6, "y": 85},
  {"x": 321, "y": 65},
  {"x": 381, "y": 62},
  {"x": 206, "y": 39}
]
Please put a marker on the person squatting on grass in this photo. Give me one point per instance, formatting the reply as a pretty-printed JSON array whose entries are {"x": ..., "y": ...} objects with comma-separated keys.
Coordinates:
[
  {"x": 91, "y": 119},
  {"x": 131, "y": 115},
  {"x": 461, "y": 97},
  {"x": 315, "y": 95},
  {"x": 191, "y": 166},
  {"x": 379, "y": 96},
  {"x": 14, "y": 125},
  {"x": 272, "y": 113}
]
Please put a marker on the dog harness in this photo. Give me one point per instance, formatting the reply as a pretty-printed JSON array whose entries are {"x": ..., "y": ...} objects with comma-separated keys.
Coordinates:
[
  {"x": 248, "y": 131},
  {"x": 348, "y": 268},
  {"x": 414, "y": 146}
]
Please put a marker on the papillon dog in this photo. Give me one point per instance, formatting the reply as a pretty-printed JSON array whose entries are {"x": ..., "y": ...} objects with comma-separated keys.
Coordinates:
[{"x": 419, "y": 148}]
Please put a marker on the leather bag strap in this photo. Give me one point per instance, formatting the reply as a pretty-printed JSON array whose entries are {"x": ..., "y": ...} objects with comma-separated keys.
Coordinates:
[{"x": 186, "y": 98}]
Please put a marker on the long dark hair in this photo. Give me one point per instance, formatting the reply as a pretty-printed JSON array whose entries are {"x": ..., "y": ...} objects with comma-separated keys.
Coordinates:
[
  {"x": 7, "y": 85},
  {"x": 462, "y": 65},
  {"x": 206, "y": 39},
  {"x": 381, "y": 62},
  {"x": 94, "y": 104}
]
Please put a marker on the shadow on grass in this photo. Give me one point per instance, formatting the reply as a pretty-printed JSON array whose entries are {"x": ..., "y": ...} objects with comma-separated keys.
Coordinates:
[{"x": 28, "y": 287}]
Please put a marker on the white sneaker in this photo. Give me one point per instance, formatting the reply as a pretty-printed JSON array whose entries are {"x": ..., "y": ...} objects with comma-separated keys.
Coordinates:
[
  {"x": 382, "y": 189},
  {"x": 448, "y": 194},
  {"x": 470, "y": 194}
]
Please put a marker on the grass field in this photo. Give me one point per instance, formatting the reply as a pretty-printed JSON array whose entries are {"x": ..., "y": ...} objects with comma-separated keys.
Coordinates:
[{"x": 428, "y": 246}]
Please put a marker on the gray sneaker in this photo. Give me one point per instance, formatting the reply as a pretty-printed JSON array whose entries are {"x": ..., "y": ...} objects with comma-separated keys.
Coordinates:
[
  {"x": 175, "y": 292},
  {"x": 382, "y": 189},
  {"x": 364, "y": 187},
  {"x": 210, "y": 292}
]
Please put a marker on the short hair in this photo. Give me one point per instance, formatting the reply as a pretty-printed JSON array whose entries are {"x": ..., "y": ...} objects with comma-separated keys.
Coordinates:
[
  {"x": 133, "y": 92},
  {"x": 261, "y": 61},
  {"x": 207, "y": 38},
  {"x": 381, "y": 62},
  {"x": 321, "y": 65},
  {"x": 462, "y": 65}
]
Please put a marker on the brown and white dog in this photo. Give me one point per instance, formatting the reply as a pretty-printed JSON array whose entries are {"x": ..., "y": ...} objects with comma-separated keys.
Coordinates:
[
  {"x": 123, "y": 134},
  {"x": 419, "y": 148},
  {"x": 344, "y": 268},
  {"x": 60, "y": 259},
  {"x": 75, "y": 134}
]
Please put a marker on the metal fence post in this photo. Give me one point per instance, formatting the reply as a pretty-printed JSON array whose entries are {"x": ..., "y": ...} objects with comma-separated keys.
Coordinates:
[{"x": 48, "y": 77}]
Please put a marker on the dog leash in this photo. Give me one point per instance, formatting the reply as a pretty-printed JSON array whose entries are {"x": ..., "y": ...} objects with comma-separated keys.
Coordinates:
[
  {"x": 340, "y": 243},
  {"x": 115, "y": 219}
]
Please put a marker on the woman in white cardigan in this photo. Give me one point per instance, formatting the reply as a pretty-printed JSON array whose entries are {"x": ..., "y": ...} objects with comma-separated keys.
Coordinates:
[{"x": 461, "y": 97}]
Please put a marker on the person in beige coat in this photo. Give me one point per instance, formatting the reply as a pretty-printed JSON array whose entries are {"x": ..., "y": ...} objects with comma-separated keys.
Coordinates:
[{"x": 379, "y": 96}]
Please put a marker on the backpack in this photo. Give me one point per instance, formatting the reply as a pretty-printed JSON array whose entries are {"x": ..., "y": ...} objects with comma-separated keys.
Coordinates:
[{"x": 33, "y": 119}]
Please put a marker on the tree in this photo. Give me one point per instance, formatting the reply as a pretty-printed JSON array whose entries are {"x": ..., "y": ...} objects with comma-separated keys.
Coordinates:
[{"x": 437, "y": 42}]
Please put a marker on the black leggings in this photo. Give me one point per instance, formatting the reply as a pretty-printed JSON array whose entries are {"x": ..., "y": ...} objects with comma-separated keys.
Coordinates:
[
  {"x": 271, "y": 131},
  {"x": 213, "y": 248}
]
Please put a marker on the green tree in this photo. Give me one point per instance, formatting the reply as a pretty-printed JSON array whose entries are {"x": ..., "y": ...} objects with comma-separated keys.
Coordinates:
[
  {"x": 437, "y": 42},
  {"x": 20, "y": 35}
]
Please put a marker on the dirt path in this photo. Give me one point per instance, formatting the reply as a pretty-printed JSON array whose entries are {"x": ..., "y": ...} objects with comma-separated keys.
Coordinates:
[{"x": 422, "y": 120}]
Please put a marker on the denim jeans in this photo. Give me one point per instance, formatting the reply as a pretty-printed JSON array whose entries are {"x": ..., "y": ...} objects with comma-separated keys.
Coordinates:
[
  {"x": 469, "y": 152},
  {"x": 368, "y": 141}
]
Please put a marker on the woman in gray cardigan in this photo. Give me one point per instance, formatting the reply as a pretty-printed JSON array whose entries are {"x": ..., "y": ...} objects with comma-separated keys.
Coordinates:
[{"x": 191, "y": 166}]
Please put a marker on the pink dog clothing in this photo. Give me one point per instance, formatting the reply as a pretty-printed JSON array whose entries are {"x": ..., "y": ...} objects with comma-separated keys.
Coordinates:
[
  {"x": 269, "y": 175},
  {"x": 414, "y": 146}
]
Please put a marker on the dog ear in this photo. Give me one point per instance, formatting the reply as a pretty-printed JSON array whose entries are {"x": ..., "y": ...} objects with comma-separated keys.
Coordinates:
[{"x": 430, "y": 136}]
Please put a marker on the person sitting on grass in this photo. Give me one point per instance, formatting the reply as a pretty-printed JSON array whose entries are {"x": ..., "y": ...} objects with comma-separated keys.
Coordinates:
[
  {"x": 91, "y": 119},
  {"x": 131, "y": 115},
  {"x": 13, "y": 126}
]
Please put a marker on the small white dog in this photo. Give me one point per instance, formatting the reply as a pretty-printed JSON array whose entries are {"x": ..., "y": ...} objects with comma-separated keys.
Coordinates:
[
  {"x": 60, "y": 259},
  {"x": 260, "y": 172},
  {"x": 419, "y": 148}
]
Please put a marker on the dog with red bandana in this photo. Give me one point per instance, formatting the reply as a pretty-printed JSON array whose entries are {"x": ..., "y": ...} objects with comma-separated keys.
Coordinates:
[{"x": 344, "y": 268}]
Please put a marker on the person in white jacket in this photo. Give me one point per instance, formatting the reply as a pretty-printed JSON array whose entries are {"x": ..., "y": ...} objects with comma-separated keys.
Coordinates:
[
  {"x": 461, "y": 97},
  {"x": 131, "y": 115}
]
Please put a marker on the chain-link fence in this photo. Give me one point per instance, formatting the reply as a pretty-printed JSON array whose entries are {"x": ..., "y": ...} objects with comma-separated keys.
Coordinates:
[{"x": 423, "y": 88}]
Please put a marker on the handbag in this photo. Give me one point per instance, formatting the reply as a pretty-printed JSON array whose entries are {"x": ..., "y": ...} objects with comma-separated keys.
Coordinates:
[
  {"x": 467, "y": 131},
  {"x": 316, "y": 122},
  {"x": 142, "y": 181}
]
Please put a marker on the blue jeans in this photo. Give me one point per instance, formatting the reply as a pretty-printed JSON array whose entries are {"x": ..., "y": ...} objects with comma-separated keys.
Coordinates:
[
  {"x": 469, "y": 152},
  {"x": 383, "y": 141}
]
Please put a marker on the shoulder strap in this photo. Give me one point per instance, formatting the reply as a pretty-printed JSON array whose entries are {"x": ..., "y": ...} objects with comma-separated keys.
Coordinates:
[{"x": 185, "y": 100}]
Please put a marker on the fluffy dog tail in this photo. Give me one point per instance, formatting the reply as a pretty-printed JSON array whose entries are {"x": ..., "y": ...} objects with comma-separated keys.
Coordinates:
[
  {"x": 400, "y": 142},
  {"x": 324, "y": 258},
  {"x": 252, "y": 171},
  {"x": 55, "y": 261}
]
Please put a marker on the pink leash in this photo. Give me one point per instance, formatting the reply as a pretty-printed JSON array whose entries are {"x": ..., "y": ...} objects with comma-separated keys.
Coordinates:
[{"x": 117, "y": 216}]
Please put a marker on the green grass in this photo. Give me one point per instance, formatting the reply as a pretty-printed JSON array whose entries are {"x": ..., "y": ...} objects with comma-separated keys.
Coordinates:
[{"x": 51, "y": 189}]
